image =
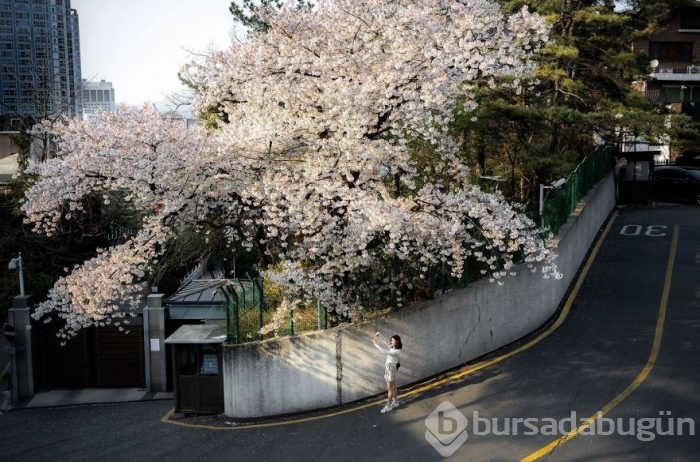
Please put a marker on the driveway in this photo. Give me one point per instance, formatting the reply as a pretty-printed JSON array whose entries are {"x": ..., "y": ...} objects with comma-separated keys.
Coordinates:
[{"x": 629, "y": 346}]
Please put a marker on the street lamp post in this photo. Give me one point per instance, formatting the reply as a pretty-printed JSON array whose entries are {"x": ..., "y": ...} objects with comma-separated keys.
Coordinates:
[{"x": 16, "y": 264}]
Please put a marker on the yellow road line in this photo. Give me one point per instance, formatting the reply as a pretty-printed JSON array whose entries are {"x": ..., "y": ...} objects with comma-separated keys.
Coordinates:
[
  {"x": 432, "y": 385},
  {"x": 651, "y": 360}
]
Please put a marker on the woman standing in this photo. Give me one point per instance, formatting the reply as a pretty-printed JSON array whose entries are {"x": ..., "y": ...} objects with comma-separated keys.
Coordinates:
[{"x": 391, "y": 365}]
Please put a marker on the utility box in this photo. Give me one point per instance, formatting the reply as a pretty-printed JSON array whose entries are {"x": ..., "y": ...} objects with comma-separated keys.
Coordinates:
[{"x": 197, "y": 368}]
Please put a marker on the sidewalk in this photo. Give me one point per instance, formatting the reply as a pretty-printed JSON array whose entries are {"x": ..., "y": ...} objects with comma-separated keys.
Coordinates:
[{"x": 57, "y": 398}]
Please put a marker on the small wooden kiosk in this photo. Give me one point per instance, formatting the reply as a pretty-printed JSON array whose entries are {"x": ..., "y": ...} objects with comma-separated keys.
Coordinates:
[{"x": 197, "y": 368}]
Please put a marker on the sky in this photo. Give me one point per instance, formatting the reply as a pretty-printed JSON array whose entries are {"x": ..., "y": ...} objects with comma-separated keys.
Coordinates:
[{"x": 139, "y": 45}]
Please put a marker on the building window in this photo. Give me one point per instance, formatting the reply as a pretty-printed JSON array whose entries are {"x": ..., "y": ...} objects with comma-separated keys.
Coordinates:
[
  {"x": 680, "y": 94},
  {"x": 690, "y": 18},
  {"x": 671, "y": 51},
  {"x": 671, "y": 94}
]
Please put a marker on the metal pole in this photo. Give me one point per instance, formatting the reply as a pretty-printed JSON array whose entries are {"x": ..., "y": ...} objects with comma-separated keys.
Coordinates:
[
  {"x": 318, "y": 314},
  {"x": 237, "y": 319},
  {"x": 242, "y": 292},
  {"x": 231, "y": 305},
  {"x": 21, "y": 276},
  {"x": 541, "y": 199},
  {"x": 228, "y": 314},
  {"x": 261, "y": 300}
]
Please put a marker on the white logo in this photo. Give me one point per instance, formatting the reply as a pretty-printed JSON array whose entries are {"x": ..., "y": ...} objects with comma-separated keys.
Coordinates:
[{"x": 446, "y": 429}]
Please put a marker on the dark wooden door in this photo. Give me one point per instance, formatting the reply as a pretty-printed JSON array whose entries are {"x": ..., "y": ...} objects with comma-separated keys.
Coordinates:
[
  {"x": 100, "y": 357},
  {"x": 198, "y": 379},
  {"x": 119, "y": 358},
  {"x": 66, "y": 366}
]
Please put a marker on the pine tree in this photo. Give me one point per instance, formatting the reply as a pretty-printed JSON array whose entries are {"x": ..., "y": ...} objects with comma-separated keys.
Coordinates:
[
  {"x": 583, "y": 93},
  {"x": 247, "y": 16}
]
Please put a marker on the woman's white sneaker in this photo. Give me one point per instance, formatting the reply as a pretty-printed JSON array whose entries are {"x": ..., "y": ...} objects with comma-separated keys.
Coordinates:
[
  {"x": 394, "y": 404},
  {"x": 386, "y": 408}
]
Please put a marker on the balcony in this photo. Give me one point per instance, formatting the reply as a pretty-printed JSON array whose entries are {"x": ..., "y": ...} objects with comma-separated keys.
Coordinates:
[
  {"x": 654, "y": 96},
  {"x": 677, "y": 98},
  {"x": 677, "y": 71}
]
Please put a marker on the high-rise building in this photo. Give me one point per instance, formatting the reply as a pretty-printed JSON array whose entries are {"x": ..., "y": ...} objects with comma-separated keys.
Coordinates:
[
  {"x": 39, "y": 60},
  {"x": 97, "y": 96}
]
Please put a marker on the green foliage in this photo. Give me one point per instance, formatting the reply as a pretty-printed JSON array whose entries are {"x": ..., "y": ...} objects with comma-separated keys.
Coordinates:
[
  {"x": 582, "y": 93},
  {"x": 246, "y": 14},
  {"x": 45, "y": 257},
  {"x": 559, "y": 50}
]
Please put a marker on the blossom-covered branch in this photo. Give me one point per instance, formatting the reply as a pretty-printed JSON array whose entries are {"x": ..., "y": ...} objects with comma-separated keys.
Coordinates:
[{"x": 309, "y": 155}]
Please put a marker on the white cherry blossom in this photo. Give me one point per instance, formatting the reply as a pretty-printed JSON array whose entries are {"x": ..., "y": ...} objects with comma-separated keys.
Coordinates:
[{"x": 314, "y": 157}]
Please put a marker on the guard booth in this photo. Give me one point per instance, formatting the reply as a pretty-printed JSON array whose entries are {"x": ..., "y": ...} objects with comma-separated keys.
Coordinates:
[
  {"x": 197, "y": 368},
  {"x": 633, "y": 172}
]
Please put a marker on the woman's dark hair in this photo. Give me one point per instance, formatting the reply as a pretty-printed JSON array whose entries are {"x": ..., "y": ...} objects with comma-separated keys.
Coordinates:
[{"x": 398, "y": 341}]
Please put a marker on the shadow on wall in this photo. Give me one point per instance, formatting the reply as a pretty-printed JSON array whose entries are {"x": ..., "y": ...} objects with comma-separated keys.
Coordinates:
[{"x": 322, "y": 369}]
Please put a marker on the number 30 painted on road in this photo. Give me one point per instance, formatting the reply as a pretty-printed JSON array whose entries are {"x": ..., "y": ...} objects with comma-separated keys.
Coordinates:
[{"x": 651, "y": 230}]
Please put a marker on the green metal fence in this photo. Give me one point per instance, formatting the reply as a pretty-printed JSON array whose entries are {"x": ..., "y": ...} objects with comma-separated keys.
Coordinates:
[
  {"x": 245, "y": 308},
  {"x": 248, "y": 309},
  {"x": 560, "y": 202},
  {"x": 305, "y": 318}
]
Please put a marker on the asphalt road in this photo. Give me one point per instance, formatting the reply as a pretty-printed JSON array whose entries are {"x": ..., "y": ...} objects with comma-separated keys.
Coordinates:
[{"x": 593, "y": 357}]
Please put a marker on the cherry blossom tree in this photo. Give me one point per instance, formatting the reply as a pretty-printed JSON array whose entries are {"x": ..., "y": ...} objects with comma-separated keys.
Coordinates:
[{"x": 310, "y": 157}]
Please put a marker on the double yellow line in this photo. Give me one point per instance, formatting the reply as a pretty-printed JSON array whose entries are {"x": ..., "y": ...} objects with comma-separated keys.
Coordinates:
[
  {"x": 641, "y": 377},
  {"x": 421, "y": 389}
]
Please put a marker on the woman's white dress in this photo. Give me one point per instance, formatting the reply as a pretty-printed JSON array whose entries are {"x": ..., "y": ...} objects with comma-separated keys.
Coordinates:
[{"x": 392, "y": 358}]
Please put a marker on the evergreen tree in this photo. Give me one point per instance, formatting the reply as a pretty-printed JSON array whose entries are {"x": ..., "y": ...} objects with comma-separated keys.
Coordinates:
[
  {"x": 246, "y": 14},
  {"x": 583, "y": 94}
]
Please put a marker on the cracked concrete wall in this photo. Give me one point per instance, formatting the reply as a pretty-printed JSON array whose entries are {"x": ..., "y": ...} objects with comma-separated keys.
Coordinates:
[{"x": 338, "y": 366}]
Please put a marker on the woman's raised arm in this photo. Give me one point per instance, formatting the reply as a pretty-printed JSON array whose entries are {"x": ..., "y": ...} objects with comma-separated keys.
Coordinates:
[{"x": 383, "y": 346}]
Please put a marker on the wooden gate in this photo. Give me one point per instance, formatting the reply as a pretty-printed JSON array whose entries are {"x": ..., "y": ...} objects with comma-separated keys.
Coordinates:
[
  {"x": 119, "y": 358},
  {"x": 97, "y": 357}
]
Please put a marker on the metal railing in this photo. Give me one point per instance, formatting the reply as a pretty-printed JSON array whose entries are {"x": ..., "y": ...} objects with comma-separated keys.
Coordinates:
[
  {"x": 249, "y": 309},
  {"x": 653, "y": 96},
  {"x": 560, "y": 202},
  {"x": 678, "y": 67}
]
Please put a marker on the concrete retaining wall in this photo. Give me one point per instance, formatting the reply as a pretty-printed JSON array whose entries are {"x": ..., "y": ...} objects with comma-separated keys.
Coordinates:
[{"x": 340, "y": 365}]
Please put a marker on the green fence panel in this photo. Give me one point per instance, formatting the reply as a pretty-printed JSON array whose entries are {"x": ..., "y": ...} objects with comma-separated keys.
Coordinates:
[
  {"x": 559, "y": 204},
  {"x": 247, "y": 311}
]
